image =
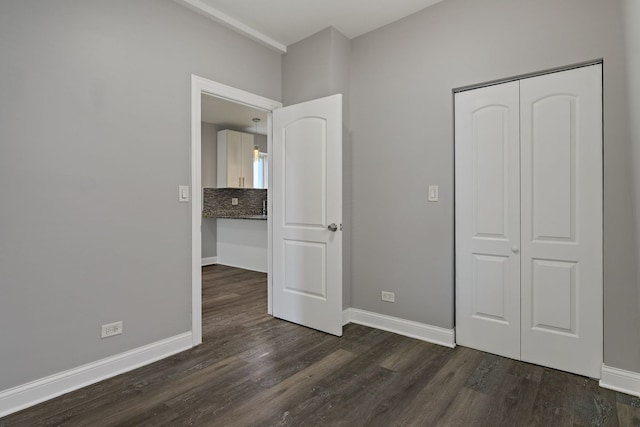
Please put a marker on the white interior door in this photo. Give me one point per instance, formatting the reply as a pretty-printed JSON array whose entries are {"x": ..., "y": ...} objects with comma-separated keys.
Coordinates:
[
  {"x": 487, "y": 201},
  {"x": 529, "y": 219},
  {"x": 307, "y": 214},
  {"x": 561, "y": 143}
]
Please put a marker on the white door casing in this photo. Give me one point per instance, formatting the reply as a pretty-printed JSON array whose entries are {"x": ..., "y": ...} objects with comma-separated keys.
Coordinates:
[
  {"x": 200, "y": 86},
  {"x": 487, "y": 219},
  {"x": 561, "y": 170},
  {"x": 555, "y": 193},
  {"x": 307, "y": 200}
]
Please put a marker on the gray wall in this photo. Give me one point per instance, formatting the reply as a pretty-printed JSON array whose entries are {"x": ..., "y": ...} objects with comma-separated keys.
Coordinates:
[
  {"x": 94, "y": 124},
  {"x": 316, "y": 67},
  {"x": 306, "y": 69},
  {"x": 402, "y": 129},
  {"x": 209, "y": 161}
]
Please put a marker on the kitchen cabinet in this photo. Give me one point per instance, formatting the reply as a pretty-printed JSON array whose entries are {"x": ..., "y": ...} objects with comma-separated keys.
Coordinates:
[{"x": 235, "y": 159}]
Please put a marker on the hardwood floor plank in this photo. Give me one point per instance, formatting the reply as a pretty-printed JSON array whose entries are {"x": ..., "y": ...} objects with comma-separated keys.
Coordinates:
[
  {"x": 487, "y": 377},
  {"x": 278, "y": 399},
  {"x": 527, "y": 371},
  {"x": 413, "y": 377},
  {"x": 127, "y": 409},
  {"x": 469, "y": 408},
  {"x": 359, "y": 384},
  {"x": 553, "y": 400},
  {"x": 628, "y": 415},
  {"x": 203, "y": 404},
  {"x": 404, "y": 356},
  {"x": 513, "y": 401},
  {"x": 433, "y": 401},
  {"x": 350, "y": 403}
]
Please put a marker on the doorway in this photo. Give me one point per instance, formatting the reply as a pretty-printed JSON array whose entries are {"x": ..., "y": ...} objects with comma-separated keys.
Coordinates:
[
  {"x": 199, "y": 87},
  {"x": 234, "y": 181}
]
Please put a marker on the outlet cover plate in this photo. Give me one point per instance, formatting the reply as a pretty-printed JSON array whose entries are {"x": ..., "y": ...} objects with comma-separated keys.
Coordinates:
[
  {"x": 111, "y": 329},
  {"x": 388, "y": 296}
]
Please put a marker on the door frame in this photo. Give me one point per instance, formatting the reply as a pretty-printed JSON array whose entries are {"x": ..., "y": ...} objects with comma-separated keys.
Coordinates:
[{"x": 200, "y": 86}]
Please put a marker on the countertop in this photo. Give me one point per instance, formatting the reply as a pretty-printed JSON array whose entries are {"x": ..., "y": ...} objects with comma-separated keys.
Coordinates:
[{"x": 258, "y": 217}]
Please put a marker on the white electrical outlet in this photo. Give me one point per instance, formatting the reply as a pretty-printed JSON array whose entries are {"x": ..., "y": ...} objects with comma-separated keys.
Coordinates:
[
  {"x": 234, "y": 201},
  {"x": 111, "y": 329},
  {"x": 388, "y": 296}
]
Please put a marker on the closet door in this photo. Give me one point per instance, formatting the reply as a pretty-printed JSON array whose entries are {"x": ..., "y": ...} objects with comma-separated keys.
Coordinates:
[
  {"x": 561, "y": 172},
  {"x": 487, "y": 205}
]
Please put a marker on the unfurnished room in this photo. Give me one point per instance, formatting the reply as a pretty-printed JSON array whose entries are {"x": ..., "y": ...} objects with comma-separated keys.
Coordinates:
[{"x": 320, "y": 213}]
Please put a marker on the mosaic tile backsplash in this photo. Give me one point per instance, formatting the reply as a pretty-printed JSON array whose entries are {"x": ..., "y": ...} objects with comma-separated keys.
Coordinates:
[{"x": 217, "y": 202}]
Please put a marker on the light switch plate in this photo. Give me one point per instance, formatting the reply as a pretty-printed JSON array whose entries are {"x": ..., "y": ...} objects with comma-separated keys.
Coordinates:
[
  {"x": 183, "y": 193},
  {"x": 234, "y": 201},
  {"x": 433, "y": 193}
]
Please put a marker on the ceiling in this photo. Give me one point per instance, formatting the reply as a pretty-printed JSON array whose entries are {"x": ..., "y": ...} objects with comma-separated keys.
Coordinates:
[
  {"x": 280, "y": 23},
  {"x": 232, "y": 115}
]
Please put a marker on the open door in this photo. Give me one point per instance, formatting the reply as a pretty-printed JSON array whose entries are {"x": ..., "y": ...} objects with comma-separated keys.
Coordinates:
[{"x": 307, "y": 214}]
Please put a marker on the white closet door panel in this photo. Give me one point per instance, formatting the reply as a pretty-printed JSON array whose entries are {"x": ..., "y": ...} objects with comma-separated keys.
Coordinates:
[
  {"x": 561, "y": 165},
  {"x": 487, "y": 219}
]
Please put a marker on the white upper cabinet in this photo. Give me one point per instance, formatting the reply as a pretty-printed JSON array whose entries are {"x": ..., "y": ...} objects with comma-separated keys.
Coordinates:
[{"x": 235, "y": 159}]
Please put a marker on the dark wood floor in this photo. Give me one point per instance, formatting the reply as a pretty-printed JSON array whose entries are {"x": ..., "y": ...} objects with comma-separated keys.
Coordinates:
[{"x": 256, "y": 370}]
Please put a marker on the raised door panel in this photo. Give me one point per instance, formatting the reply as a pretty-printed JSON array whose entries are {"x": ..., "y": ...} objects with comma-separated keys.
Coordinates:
[
  {"x": 553, "y": 306},
  {"x": 305, "y": 169},
  {"x": 490, "y": 288},
  {"x": 553, "y": 167},
  {"x": 490, "y": 163},
  {"x": 487, "y": 219},
  {"x": 305, "y": 270}
]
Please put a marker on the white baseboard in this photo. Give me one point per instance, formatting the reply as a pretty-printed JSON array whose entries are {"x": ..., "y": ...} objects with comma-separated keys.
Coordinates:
[
  {"x": 209, "y": 261},
  {"x": 243, "y": 266},
  {"x": 620, "y": 380},
  {"x": 32, "y": 393},
  {"x": 408, "y": 328},
  {"x": 346, "y": 316}
]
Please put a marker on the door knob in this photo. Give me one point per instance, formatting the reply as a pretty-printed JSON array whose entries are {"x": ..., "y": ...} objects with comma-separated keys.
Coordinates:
[
  {"x": 333, "y": 227},
  {"x": 515, "y": 249}
]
